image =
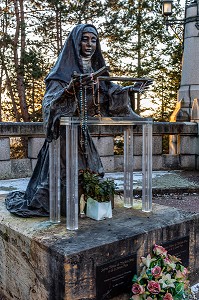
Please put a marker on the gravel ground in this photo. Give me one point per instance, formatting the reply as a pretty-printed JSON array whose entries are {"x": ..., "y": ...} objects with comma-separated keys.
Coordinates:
[
  {"x": 184, "y": 197},
  {"x": 185, "y": 201}
]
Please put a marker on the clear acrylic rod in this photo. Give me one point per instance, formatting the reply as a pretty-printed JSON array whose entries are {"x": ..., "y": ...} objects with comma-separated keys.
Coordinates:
[
  {"x": 72, "y": 177},
  {"x": 147, "y": 167},
  {"x": 128, "y": 167},
  {"x": 54, "y": 180}
]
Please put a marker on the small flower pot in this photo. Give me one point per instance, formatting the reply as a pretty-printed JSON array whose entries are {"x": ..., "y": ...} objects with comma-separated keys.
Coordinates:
[{"x": 98, "y": 210}]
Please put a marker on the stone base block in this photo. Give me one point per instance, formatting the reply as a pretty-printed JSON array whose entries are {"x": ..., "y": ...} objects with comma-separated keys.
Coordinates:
[
  {"x": 157, "y": 162},
  {"x": 104, "y": 145},
  {"x": 188, "y": 162},
  {"x": 171, "y": 161},
  {"x": 44, "y": 261},
  {"x": 21, "y": 168},
  {"x": 119, "y": 163},
  {"x": 5, "y": 169},
  {"x": 189, "y": 145},
  {"x": 34, "y": 146},
  {"x": 16, "y": 168},
  {"x": 108, "y": 163},
  {"x": 5, "y": 146},
  {"x": 33, "y": 163},
  {"x": 197, "y": 162}
]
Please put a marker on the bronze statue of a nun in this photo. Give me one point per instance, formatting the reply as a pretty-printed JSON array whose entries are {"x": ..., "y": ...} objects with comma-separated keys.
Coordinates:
[{"x": 81, "y": 54}]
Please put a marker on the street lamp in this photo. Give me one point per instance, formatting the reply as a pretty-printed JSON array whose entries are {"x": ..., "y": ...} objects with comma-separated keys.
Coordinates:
[{"x": 167, "y": 7}]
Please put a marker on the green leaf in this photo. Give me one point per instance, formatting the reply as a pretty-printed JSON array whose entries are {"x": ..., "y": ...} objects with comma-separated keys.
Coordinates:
[
  {"x": 135, "y": 278},
  {"x": 179, "y": 288}
]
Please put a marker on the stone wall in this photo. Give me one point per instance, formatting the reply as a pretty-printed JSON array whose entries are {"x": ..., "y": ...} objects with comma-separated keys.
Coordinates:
[
  {"x": 184, "y": 136},
  {"x": 16, "y": 168},
  {"x": 185, "y": 156}
]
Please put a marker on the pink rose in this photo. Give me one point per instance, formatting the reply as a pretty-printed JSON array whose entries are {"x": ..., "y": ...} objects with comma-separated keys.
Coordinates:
[
  {"x": 153, "y": 287},
  {"x": 167, "y": 261},
  {"x": 159, "y": 250},
  {"x": 168, "y": 296},
  {"x": 137, "y": 289},
  {"x": 156, "y": 271},
  {"x": 185, "y": 272}
]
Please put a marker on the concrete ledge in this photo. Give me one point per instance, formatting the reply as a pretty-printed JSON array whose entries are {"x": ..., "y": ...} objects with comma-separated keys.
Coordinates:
[
  {"x": 42, "y": 261},
  {"x": 8, "y": 129}
]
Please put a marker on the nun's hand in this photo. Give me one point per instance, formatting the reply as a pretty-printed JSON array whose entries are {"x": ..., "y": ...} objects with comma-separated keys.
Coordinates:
[{"x": 139, "y": 87}]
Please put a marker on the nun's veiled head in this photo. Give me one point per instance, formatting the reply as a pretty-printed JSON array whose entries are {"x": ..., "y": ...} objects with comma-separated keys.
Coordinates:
[{"x": 70, "y": 58}]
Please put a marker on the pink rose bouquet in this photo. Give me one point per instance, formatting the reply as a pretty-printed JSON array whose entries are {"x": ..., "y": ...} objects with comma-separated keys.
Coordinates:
[{"x": 162, "y": 277}]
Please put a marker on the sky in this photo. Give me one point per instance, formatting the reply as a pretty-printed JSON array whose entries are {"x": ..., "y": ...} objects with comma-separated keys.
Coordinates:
[{"x": 182, "y": 2}]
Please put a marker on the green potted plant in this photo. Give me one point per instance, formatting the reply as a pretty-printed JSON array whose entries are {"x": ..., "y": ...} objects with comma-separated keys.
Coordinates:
[{"x": 97, "y": 193}]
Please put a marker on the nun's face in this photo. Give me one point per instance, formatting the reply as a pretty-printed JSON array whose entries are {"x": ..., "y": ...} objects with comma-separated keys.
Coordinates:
[{"x": 88, "y": 44}]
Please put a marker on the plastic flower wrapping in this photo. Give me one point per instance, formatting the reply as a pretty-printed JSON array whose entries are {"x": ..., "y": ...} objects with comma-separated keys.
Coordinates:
[{"x": 162, "y": 277}]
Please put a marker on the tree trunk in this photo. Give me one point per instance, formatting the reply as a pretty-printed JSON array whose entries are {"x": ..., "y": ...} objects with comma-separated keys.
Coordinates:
[
  {"x": 58, "y": 28},
  {"x": 139, "y": 51},
  {"x": 9, "y": 86},
  {"x": 1, "y": 76},
  {"x": 19, "y": 63}
]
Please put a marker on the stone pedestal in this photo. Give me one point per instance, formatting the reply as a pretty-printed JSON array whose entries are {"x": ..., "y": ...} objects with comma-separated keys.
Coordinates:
[{"x": 41, "y": 261}]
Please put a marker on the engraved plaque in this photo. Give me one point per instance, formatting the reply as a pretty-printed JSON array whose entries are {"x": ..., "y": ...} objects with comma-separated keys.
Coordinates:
[
  {"x": 115, "y": 277},
  {"x": 179, "y": 248}
]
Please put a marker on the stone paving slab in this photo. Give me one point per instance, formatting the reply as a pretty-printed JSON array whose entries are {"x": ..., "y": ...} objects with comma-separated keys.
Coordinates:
[
  {"x": 9, "y": 185},
  {"x": 162, "y": 181}
]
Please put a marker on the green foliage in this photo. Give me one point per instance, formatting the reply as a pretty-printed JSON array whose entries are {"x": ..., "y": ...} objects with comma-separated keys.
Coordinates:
[
  {"x": 119, "y": 145},
  {"x": 142, "y": 47},
  {"x": 18, "y": 148},
  {"x": 34, "y": 66},
  {"x": 96, "y": 187},
  {"x": 133, "y": 31}
]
